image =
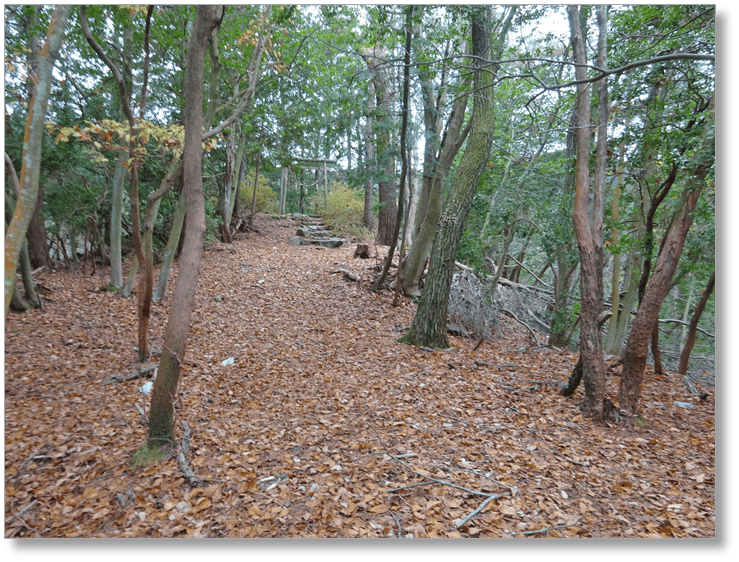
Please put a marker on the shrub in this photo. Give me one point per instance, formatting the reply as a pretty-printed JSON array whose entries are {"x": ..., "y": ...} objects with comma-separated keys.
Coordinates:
[
  {"x": 267, "y": 200},
  {"x": 342, "y": 209}
]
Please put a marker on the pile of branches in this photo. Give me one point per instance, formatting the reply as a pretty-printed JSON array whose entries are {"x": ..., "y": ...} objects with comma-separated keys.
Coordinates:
[{"x": 475, "y": 306}]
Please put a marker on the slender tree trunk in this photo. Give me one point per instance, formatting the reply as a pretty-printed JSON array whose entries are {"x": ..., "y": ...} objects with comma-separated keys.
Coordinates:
[
  {"x": 283, "y": 189},
  {"x": 224, "y": 200},
  {"x": 254, "y": 196},
  {"x": 637, "y": 346},
  {"x": 161, "y": 415},
  {"x": 685, "y": 355},
  {"x": 635, "y": 355},
  {"x": 656, "y": 354},
  {"x": 116, "y": 214},
  {"x": 31, "y": 167},
  {"x": 404, "y": 157},
  {"x": 429, "y": 327},
  {"x": 172, "y": 242},
  {"x": 146, "y": 281},
  {"x": 615, "y": 293},
  {"x": 589, "y": 224}
]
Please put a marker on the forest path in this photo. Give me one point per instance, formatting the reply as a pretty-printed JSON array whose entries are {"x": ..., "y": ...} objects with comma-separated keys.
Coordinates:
[{"x": 318, "y": 390}]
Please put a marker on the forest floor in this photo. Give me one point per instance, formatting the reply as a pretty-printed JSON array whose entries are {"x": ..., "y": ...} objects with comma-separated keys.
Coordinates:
[{"x": 324, "y": 425}]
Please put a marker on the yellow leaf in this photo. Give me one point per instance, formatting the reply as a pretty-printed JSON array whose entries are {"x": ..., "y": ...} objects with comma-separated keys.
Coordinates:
[{"x": 203, "y": 503}]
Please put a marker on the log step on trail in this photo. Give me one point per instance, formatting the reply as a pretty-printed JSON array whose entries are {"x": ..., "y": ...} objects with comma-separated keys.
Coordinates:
[{"x": 312, "y": 232}]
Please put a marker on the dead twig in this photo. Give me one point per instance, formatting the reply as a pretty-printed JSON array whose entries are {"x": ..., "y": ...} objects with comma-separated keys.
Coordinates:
[
  {"x": 430, "y": 479},
  {"x": 21, "y": 513},
  {"x": 546, "y": 530},
  {"x": 400, "y": 529}
]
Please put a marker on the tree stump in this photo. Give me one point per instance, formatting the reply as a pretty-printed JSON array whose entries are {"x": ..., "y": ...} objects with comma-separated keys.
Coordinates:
[{"x": 362, "y": 251}]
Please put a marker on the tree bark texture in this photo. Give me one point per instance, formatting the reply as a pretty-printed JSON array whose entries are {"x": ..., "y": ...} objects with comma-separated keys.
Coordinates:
[
  {"x": 161, "y": 416},
  {"x": 369, "y": 149},
  {"x": 31, "y": 166},
  {"x": 429, "y": 323},
  {"x": 172, "y": 243}
]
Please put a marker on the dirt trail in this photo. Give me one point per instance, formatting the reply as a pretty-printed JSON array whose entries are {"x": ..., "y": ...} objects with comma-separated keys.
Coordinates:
[{"x": 289, "y": 440}]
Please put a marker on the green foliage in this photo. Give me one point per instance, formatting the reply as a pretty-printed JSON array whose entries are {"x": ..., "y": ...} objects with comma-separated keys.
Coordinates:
[
  {"x": 342, "y": 209},
  {"x": 267, "y": 199},
  {"x": 564, "y": 318}
]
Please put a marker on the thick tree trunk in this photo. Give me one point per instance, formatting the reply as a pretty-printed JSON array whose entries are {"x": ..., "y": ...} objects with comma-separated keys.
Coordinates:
[
  {"x": 31, "y": 167},
  {"x": 368, "y": 217},
  {"x": 386, "y": 185},
  {"x": 161, "y": 416},
  {"x": 429, "y": 323},
  {"x": 685, "y": 355},
  {"x": 38, "y": 244}
]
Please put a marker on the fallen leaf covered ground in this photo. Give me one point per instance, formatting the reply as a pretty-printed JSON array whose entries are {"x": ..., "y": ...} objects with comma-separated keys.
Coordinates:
[{"x": 323, "y": 425}]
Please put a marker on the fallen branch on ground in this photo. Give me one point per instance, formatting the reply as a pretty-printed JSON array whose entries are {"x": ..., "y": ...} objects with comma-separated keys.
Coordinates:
[
  {"x": 349, "y": 274},
  {"x": 134, "y": 375},
  {"x": 184, "y": 449},
  {"x": 431, "y": 480}
]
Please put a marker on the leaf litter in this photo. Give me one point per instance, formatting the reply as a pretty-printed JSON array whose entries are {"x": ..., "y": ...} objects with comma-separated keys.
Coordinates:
[{"x": 306, "y": 418}]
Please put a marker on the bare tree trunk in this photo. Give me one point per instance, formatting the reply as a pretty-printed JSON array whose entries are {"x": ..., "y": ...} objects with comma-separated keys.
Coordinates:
[
  {"x": 172, "y": 242},
  {"x": 134, "y": 158},
  {"x": 31, "y": 167},
  {"x": 404, "y": 168},
  {"x": 635, "y": 355},
  {"x": 589, "y": 225},
  {"x": 224, "y": 200},
  {"x": 386, "y": 185},
  {"x": 161, "y": 415},
  {"x": 685, "y": 355}
]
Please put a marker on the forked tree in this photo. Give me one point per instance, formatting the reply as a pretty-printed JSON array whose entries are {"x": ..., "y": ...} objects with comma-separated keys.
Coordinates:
[{"x": 429, "y": 327}]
